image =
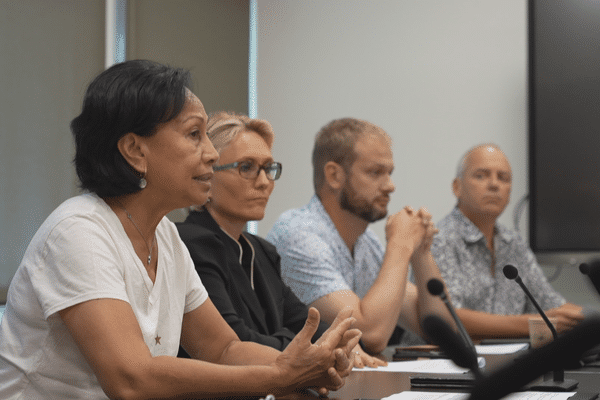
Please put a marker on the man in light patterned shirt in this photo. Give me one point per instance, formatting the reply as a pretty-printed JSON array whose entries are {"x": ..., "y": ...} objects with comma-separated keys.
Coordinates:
[
  {"x": 329, "y": 257},
  {"x": 472, "y": 248}
]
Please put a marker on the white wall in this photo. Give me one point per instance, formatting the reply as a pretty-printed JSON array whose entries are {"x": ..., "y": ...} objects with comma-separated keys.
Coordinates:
[
  {"x": 50, "y": 51},
  {"x": 55, "y": 48},
  {"x": 439, "y": 76}
]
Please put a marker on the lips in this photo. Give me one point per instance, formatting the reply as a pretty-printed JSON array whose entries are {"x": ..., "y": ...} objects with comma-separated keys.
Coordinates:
[
  {"x": 261, "y": 199},
  {"x": 204, "y": 177},
  {"x": 493, "y": 198},
  {"x": 384, "y": 200}
]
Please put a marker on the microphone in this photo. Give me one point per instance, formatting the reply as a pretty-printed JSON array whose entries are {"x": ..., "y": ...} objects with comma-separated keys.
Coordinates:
[
  {"x": 448, "y": 341},
  {"x": 558, "y": 383},
  {"x": 451, "y": 344},
  {"x": 592, "y": 270},
  {"x": 555, "y": 355},
  {"x": 511, "y": 272},
  {"x": 436, "y": 288}
]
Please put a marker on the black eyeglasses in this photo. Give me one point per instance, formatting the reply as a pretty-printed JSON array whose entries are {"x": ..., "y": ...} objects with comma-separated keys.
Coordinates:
[{"x": 250, "y": 170}]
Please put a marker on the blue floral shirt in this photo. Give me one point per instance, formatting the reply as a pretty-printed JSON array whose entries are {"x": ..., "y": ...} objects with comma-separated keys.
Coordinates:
[
  {"x": 464, "y": 260},
  {"x": 315, "y": 260}
]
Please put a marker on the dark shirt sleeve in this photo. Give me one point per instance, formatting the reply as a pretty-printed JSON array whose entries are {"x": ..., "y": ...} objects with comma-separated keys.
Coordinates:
[
  {"x": 296, "y": 312},
  {"x": 218, "y": 293},
  {"x": 209, "y": 254}
]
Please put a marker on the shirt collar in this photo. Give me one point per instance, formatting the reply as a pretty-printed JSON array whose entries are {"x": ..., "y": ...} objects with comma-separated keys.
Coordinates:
[
  {"x": 316, "y": 206},
  {"x": 203, "y": 217},
  {"x": 471, "y": 233}
]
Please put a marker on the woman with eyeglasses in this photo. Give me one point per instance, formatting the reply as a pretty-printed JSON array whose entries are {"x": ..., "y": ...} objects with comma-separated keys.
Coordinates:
[{"x": 241, "y": 271}]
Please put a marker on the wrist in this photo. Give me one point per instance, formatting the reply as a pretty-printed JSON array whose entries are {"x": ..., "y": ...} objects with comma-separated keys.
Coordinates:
[
  {"x": 280, "y": 380},
  {"x": 400, "y": 245},
  {"x": 421, "y": 256}
]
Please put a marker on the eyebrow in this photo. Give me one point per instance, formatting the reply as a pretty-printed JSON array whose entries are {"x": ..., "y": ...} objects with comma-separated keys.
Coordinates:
[
  {"x": 250, "y": 158},
  {"x": 488, "y": 170},
  {"x": 380, "y": 165},
  {"x": 203, "y": 118}
]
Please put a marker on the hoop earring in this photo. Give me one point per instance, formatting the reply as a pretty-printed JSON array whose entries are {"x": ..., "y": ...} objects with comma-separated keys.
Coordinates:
[{"x": 143, "y": 182}]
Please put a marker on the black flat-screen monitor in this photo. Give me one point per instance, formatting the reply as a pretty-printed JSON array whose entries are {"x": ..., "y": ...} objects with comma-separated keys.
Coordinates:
[{"x": 564, "y": 126}]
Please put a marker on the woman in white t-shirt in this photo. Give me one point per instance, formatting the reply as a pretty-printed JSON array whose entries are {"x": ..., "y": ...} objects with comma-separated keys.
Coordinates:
[{"x": 107, "y": 291}]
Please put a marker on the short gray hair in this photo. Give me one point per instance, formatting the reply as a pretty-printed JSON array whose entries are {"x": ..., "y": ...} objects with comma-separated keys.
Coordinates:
[{"x": 460, "y": 169}]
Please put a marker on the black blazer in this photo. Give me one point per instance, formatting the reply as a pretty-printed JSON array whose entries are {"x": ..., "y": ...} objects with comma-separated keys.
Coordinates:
[{"x": 271, "y": 314}]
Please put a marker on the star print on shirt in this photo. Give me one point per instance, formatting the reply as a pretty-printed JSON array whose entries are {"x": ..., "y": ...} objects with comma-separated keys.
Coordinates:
[{"x": 157, "y": 338}]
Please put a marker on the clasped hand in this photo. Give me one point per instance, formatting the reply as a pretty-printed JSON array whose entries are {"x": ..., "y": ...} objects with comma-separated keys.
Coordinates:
[
  {"x": 414, "y": 227},
  {"x": 324, "y": 364}
]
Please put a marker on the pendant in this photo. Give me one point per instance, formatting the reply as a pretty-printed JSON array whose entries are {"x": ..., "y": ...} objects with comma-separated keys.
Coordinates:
[{"x": 149, "y": 258}]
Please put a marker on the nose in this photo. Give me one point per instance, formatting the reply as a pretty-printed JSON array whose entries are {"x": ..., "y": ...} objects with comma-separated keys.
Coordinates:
[
  {"x": 261, "y": 179},
  {"x": 209, "y": 154},
  {"x": 388, "y": 185},
  {"x": 494, "y": 182}
]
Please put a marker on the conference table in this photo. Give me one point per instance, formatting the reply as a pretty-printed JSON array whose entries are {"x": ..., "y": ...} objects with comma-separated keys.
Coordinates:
[{"x": 377, "y": 385}]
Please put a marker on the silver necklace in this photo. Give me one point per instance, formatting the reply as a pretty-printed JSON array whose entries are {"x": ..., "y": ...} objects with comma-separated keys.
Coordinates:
[{"x": 151, "y": 248}]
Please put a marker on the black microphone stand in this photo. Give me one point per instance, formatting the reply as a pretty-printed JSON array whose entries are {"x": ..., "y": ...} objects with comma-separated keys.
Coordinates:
[
  {"x": 513, "y": 376},
  {"x": 592, "y": 270},
  {"x": 460, "y": 348},
  {"x": 558, "y": 382}
]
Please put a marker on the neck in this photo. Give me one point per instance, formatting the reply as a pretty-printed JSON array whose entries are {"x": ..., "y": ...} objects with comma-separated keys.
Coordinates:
[
  {"x": 233, "y": 227},
  {"x": 145, "y": 215},
  {"x": 139, "y": 224},
  {"x": 348, "y": 225},
  {"x": 486, "y": 224}
]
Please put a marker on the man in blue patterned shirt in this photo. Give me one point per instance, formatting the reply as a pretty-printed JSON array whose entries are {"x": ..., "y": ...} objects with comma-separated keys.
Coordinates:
[
  {"x": 472, "y": 248},
  {"x": 329, "y": 257}
]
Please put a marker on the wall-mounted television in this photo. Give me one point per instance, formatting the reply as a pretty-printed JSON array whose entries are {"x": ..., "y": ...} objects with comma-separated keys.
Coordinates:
[{"x": 564, "y": 128}]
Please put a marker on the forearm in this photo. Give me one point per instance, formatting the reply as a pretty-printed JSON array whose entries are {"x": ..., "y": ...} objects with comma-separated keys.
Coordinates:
[
  {"x": 379, "y": 310},
  {"x": 244, "y": 369},
  {"x": 278, "y": 340},
  {"x": 237, "y": 371},
  {"x": 425, "y": 269},
  {"x": 482, "y": 325},
  {"x": 169, "y": 377},
  {"x": 248, "y": 353}
]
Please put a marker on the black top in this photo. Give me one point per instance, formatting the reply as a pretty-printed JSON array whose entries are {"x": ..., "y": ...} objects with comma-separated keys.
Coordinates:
[{"x": 269, "y": 314}]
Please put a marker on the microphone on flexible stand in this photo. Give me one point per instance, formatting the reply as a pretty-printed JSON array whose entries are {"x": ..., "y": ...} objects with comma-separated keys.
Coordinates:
[
  {"x": 460, "y": 349},
  {"x": 558, "y": 383},
  {"x": 436, "y": 288},
  {"x": 513, "y": 376},
  {"x": 592, "y": 270},
  {"x": 452, "y": 344}
]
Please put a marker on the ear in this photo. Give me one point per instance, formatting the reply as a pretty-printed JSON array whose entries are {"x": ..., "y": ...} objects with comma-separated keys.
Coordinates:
[
  {"x": 335, "y": 176},
  {"x": 131, "y": 147},
  {"x": 456, "y": 187}
]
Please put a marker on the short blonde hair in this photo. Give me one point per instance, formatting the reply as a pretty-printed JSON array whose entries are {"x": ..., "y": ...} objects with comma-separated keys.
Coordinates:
[{"x": 224, "y": 126}]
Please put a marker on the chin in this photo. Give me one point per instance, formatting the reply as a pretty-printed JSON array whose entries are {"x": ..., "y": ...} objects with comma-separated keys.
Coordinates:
[
  {"x": 254, "y": 216},
  {"x": 196, "y": 201}
]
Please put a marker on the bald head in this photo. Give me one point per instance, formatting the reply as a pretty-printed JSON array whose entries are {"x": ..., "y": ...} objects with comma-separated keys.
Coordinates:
[
  {"x": 483, "y": 182},
  {"x": 465, "y": 160}
]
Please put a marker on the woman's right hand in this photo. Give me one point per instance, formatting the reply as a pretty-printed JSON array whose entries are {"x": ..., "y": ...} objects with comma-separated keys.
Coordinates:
[{"x": 325, "y": 363}]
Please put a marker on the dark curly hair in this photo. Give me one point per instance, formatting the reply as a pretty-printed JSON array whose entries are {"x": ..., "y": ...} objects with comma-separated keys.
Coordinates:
[{"x": 133, "y": 96}]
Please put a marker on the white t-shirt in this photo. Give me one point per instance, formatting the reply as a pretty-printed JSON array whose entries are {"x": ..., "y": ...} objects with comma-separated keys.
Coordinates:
[{"x": 80, "y": 253}]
